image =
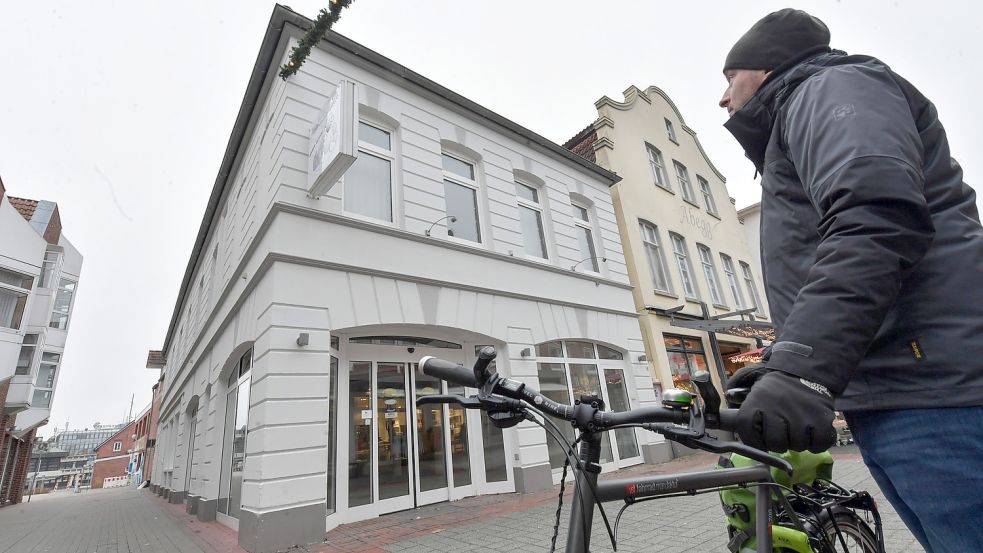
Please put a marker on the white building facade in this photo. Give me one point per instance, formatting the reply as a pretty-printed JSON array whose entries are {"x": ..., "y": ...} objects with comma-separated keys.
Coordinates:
[
  {"x": 290, "y": 362},
  {"x": 39, "y": 274}
]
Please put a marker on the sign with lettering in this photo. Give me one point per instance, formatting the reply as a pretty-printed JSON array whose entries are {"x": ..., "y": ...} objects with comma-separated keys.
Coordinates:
[
  {"x": 333, "y": 142},
  {"x": 692, "y": 219}
]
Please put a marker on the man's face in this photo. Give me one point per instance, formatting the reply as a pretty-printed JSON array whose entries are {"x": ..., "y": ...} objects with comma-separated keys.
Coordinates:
[{"x": 741, "y": 86}]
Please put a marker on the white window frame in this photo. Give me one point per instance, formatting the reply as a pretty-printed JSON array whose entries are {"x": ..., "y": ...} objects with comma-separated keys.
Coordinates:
[
  {"x": 601, "y": 365},
  {"x": 682, "y": 177},
  {"x": 49, "y": 268},
  {"x": 670, "y": 131},
  {"x": 658, "y": 165},
  {"x": 468, "y": 183},
  {"x": 656, "y": 255},
  {"x": 18, "y": 292},
  {"x": 681, "y": 253},
  {"x": 537, "y": 207},
  {"x": 117, "y": 446},
  {"x": 588, "y": 225},
  {"x": 752, "y": 289},
  {"x": 33, "y": 346},
  {"x": 388, "y": 155},
  {"x": 707, "y": 192},
  {"x": 710, "y": 273},
  {"x": 735, "y": 287},
  {"x": 62, "y": 285}
]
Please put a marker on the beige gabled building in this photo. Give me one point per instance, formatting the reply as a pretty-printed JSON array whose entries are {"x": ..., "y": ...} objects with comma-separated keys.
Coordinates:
[{"x": 684, "y": 243}]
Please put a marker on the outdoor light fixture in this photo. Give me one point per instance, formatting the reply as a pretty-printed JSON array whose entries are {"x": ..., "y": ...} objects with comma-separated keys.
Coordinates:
[
  {"x": 574, "y": 266},
  {"x": 642, "y": 358},
  {"x": 526, "y": 352},
  {"x": 303, "y": 339},
  {"x": 450, "y": 232}
]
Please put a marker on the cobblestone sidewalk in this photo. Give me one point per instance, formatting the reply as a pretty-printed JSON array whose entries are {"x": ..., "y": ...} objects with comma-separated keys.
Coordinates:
[{"x": 132, "y": 521}]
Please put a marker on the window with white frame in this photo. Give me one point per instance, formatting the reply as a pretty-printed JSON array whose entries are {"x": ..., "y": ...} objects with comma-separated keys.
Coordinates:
[
  {"x": 63, "y": 304},
  {"x": 656, "y": 257},
  {"x": 710, "y": 272},
  {"x": 752, "y": 290},
  {"x": 707, "y": 195},
  {"x": 685, "y": 269},
  {"x": 44, "y": 385},
  {"x": 368, "y": 183},
  {"x": 14, "y": 290},
  {"x": 682, "y": 176},
  {"x": 48, "y": 268},
  {"x": 461, "y": 197},
  {"x": 735, "y": 288},
  {"x": 117, "y": 446},
  {"x": 658, "y": 167},
  {"x": 569, "y": 369},
  {"x": 585, "y": 236},
  {"x": 531, "y": 220},
  {"x": 25, "y": 361},
  {"x": 670, "y": 131}
]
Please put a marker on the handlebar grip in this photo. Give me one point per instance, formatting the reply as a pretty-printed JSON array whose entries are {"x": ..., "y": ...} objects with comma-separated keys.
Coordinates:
[
  {"x": 445, "y": 370},
  {"x": 728, "y": 419}
]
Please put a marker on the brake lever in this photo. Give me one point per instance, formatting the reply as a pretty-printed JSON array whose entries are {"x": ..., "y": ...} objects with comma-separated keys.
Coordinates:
[
  {"x": 466, "y": 402},
  {"x": 689, "y": 438}
]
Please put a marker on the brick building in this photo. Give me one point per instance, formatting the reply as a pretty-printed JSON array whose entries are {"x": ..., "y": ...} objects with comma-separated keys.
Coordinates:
[
  {"x": 39, "y": 273},
  {"x": 115, "y": 457}
]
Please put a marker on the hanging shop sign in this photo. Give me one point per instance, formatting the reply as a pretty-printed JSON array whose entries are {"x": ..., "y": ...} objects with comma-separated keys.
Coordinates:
[{"x": 333, "y": 140}]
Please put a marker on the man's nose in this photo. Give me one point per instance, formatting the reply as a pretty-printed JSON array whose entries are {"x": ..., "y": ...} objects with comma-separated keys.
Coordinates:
[{"x": 724, "y": 100}]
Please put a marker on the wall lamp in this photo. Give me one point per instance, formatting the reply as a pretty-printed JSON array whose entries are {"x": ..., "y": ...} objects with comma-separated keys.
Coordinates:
[
  {"x": 450, "y": 232},
  {"x": 574, "y": 266},
  {"x": 303, "y": 339}
]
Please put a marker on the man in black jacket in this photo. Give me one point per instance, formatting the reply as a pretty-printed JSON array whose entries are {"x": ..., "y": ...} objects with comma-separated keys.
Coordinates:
[{"x": 872, "y": 252}]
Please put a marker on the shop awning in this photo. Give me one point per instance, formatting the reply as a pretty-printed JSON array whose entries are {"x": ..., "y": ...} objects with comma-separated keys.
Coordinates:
[
  {"x": 744, "y": 329},
  {"x": 751, "y": 356}
]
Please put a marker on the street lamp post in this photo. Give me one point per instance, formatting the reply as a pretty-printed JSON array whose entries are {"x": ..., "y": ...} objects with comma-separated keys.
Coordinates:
[{"x": 41, "y": 447}]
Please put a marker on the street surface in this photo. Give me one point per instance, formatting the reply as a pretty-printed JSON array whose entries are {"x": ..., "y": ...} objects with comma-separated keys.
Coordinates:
[{"x": 128, "y": 520}]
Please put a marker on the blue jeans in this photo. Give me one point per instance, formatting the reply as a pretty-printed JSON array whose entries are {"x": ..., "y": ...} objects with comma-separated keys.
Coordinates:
[{"x": 929, "y": 464}]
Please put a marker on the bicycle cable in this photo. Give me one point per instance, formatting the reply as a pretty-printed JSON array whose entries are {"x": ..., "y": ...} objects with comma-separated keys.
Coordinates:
[{"x": 581, "y": 480}]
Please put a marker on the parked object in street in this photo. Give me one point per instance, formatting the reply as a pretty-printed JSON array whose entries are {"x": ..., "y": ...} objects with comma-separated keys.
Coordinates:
[{"x": 811, "y": 515}]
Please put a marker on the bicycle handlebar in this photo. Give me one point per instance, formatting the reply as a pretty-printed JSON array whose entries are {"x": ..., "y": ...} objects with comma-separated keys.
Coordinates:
[{"x": 513, "y": 389}]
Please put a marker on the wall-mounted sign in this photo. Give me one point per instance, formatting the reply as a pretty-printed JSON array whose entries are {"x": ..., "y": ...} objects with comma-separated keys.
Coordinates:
[
  {"x": 333, "y": 141},
  {"x": 366, "y": 413}
]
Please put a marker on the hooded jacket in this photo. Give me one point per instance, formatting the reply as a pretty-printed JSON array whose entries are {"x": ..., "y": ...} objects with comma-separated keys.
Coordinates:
[{"x": 871, "y": 243}]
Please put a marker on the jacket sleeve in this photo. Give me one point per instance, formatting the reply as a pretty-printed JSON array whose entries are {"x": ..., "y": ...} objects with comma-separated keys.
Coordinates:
[{"x": 851, "y": 136}]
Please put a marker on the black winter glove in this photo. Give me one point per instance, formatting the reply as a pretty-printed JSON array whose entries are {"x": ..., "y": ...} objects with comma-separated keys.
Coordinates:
[{"x": 783, "y": 411}]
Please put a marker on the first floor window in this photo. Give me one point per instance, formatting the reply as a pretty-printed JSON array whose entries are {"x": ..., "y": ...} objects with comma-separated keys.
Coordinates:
[
  {"x": 686, "y": 356},
  {"x": 752, "y": 290},
  {"x": 655, "y": 256},
  {"x": 531, "y": 220},
  {"x": 682, "y": 263},
  {"x": 585, "y": 236},
  {"x": 731, "y": 275},
  {"x": 368, "y": 187},
  {"x": 462, "y": 204},
  {"x": 710, "y": 272}
]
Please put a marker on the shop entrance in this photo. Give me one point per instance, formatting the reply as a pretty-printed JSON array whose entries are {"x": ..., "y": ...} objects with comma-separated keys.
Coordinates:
[{"x": 401, "y": 456}]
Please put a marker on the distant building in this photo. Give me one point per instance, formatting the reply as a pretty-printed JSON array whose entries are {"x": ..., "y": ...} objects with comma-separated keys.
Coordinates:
[
  {"x": 115, "y": 457},
  {"x": 39, "y": 274},
  {"x": 687, "y": 256}
]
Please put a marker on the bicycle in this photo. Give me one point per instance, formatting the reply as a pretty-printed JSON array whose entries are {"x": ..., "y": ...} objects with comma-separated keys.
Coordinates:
[{"x": 800, "y": 514}]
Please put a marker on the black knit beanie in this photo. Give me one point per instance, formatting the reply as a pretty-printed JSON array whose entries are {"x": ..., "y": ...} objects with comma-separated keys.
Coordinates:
[{"x": 777, "y": 38}]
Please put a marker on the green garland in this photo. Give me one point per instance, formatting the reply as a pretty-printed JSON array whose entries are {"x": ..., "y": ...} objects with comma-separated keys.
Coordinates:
[{"x": 325, "y": 19}]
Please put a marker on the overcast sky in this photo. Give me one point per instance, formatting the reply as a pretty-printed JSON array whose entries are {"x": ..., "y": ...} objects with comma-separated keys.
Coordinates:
[{"x": 120, "y": 112}]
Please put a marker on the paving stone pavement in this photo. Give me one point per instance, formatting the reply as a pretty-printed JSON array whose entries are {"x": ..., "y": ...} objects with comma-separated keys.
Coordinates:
[
  {"x": 95, "y": 521},
  {"x": 132, "y": 521},
  {"x": 512, "y": 522}
]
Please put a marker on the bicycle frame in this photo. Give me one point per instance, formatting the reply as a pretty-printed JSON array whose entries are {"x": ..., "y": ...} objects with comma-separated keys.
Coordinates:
[{"x": 582, "y": 509}]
